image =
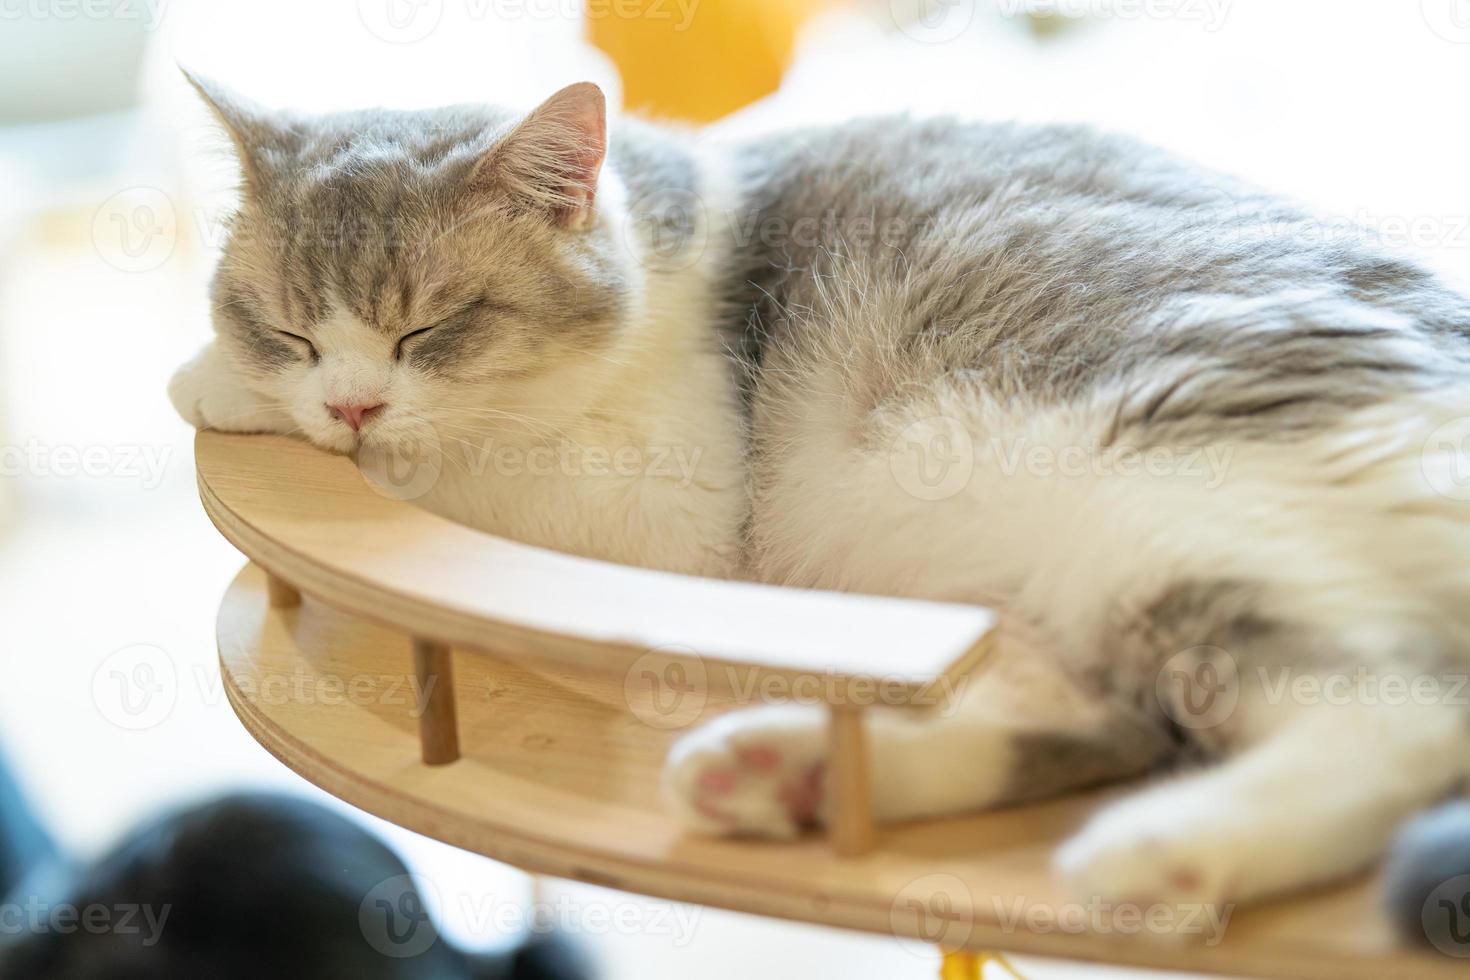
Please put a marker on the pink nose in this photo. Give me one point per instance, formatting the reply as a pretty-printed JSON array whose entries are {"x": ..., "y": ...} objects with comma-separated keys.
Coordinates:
[{"x": 355, "y": 415}]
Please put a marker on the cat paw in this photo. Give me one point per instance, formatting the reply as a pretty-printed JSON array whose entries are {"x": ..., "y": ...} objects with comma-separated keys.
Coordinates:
[
  {"x": 186, "y": 390},
  {"x": 207, "y": 395},
  {"x": 751, "y": 773},
  {"x": 1151, "y": 856}
]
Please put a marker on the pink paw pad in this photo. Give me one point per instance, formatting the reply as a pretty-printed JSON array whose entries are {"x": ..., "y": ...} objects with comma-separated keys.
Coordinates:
[
  {"x": 718, "y": 781},
  {"x": 804, "y": 795},
  {"x": 762, "y": 759},
  {"x": 1186, "y": 878}
]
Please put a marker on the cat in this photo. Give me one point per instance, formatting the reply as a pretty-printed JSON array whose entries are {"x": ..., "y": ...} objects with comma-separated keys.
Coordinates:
[{"x": 1183, "y": 439}]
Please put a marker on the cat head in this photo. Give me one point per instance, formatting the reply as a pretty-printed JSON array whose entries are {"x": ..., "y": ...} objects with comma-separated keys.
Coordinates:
[{"x": 387, "y": 269}]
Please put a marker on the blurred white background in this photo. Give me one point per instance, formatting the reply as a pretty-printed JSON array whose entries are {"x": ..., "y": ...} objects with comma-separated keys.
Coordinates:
[{"x": 113, "y": 188}]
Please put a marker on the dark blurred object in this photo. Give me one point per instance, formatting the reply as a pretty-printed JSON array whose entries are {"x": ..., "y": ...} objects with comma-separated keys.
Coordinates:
[
  {"x": 26, "y": 850},
  {"x": 256, "y": 886},
  {"x": 1426, "y": 880}
]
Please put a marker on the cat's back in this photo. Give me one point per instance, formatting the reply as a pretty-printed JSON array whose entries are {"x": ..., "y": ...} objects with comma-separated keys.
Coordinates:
[{"x": 1050, "y": 256}]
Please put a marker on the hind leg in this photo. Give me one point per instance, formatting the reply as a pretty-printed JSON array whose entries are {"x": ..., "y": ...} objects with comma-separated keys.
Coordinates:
[
  {"x": 1019, "y": 732},
  {"x": 1316, "y": 800}
]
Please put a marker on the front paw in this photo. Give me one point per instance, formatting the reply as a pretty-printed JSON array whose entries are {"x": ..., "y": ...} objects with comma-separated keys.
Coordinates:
[
  {"x": 186, "y": 391},
  {"x": 207, "y": 394},
  {"x": 758, "y": 772},
  {"x": 1149, "y": 860}
]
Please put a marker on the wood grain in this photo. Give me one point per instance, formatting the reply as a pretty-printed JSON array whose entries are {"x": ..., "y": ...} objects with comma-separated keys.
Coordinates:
[
  {"x": 559, "y": 774},
  {"x": 311, "y": 519},
  {"x": 282, "y": 595},
  {"x": 849, "y": 783},
  {"x": 433, "y": 667}
]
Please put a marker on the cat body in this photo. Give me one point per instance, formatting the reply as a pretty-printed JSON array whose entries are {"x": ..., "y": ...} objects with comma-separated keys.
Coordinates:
[{"x": 1173, "y": 432}]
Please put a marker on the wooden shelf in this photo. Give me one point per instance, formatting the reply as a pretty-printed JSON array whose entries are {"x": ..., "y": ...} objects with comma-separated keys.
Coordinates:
[
  {"x": 560, "y": 776},
  {"x": 547, "y": 750}
]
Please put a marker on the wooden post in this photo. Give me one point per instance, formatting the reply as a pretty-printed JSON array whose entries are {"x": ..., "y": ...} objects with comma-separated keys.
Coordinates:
[
  {"x": 282, "y": 596},
  {"x": 848, "y": 782},
  {"x": 438, "y": 728}
]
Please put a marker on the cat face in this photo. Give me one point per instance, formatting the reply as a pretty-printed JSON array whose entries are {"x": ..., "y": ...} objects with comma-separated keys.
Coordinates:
[{"x": 390, "y": 270}]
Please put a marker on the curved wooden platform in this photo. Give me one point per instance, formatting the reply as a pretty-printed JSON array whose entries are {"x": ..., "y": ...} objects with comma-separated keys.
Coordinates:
[{"x": 560, "y": 752}]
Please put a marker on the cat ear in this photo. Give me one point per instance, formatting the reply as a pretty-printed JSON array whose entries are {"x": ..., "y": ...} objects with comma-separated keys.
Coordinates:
[
  {"x": 249, "y": 126},
  {"x": 551, "y": 159}
]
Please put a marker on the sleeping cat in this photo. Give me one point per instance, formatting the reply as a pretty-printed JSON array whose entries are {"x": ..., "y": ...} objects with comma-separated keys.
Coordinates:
[{"x": 1189, "y": 443}]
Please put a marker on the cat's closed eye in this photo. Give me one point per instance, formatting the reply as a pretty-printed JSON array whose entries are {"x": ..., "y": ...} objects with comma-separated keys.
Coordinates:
[
  {"x": 398, "y": 350},
  {"x": 311, "y": 350}
]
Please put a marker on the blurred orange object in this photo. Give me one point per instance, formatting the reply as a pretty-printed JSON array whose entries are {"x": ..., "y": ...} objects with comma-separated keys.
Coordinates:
[{"x": 697, "y": 60}]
